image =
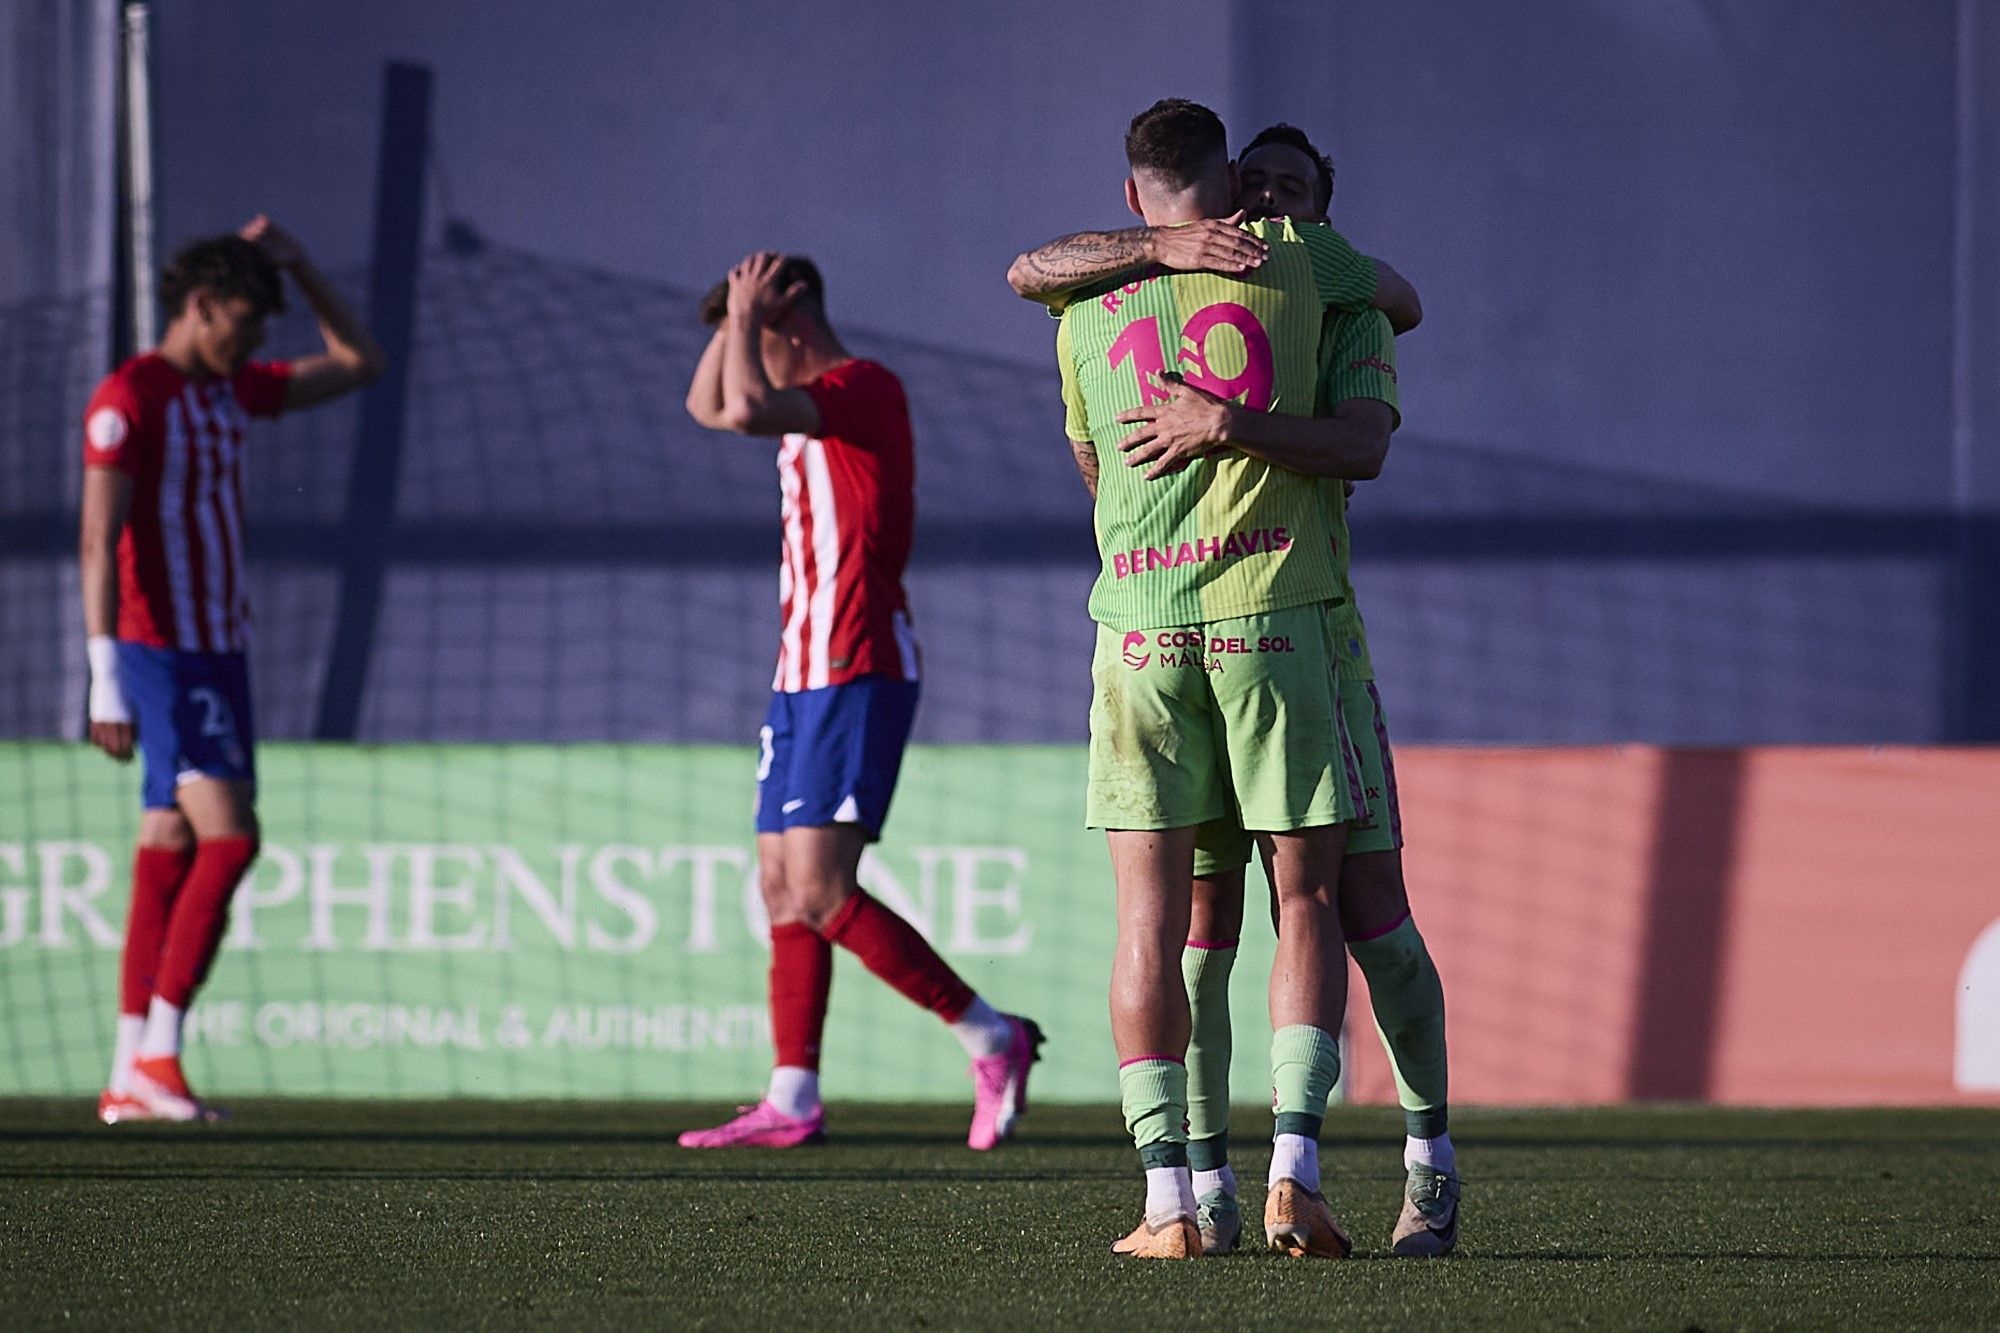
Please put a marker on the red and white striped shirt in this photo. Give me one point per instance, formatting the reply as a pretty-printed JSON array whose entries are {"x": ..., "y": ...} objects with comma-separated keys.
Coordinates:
[
  {"x": 180, "y": 556},
  {"x": 849, "y": 510}
]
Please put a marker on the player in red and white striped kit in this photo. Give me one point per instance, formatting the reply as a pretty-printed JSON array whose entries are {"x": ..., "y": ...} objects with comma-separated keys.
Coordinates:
[
  {"x": 167, "y": 615},
  {"x": 844, "y": 696}
]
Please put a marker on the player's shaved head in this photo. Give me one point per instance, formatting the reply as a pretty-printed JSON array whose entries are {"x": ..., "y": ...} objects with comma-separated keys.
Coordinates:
[
  {"x": 1284, "y": 175},
  {"x": 224, "y": 266},
  {"x": 1176, "y": 141},
  {"x": 1179, "y": 154}
]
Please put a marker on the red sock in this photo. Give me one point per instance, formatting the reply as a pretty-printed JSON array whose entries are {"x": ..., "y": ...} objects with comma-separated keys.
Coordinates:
[
  {"x": 891, "y": 948},
  {"x": 801, "y": 975},
  {"x": 200, "y": 915},
  {"x": 157, "y": 873}
]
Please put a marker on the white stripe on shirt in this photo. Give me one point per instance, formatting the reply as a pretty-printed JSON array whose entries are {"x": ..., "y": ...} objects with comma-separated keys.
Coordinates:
[
  {"x": 785, "y": 582},
  {"x": 826, "y": 562},
  {"x": 789, "y": 650}
]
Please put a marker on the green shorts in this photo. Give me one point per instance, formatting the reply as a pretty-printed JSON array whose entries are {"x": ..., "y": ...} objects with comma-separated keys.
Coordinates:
[
  {"x": 1234, "y": 719},
  {"x": 1222, "y": 845}
]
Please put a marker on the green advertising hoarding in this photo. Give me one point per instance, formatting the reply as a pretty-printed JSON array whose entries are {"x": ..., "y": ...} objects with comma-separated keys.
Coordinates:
[{"x": 574, "y": 921}]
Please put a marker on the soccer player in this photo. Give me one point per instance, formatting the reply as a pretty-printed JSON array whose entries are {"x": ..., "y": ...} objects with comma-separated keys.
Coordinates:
[
  {"x": 167, "y": 616},
  {"x": 1215, "y": 678},
  {"x": 844, "y": 695},
  {"x": 1284, "y": 175}
]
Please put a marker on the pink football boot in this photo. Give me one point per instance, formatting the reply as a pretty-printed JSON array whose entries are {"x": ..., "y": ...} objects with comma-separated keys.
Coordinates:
[
  {"x": 1000, "y": 1086},
  {"x": 760, "y": 1126}
]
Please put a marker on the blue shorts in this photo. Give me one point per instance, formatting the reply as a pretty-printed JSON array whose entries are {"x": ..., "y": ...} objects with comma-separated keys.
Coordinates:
[
  {"x": 192, "y": 715},
  {"x": 830, "y": 756}
]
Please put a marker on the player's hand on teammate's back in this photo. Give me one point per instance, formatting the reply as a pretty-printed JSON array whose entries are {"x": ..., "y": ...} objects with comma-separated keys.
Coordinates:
[
  {"x": 753, "y": 289},
  {"x": 1166, "y": 437},
  {"x": 279, "y": 246},
  {"x": 114, "y": 738},
  {"x": 1212, "y": 245}
]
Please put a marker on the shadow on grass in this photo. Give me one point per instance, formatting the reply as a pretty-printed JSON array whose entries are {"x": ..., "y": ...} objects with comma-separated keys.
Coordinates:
[
  {"x": 1488, "y": 1149},
  {"x": 387, "y": 1135},
  {"x": 531, "y": 1176},
  {"x": 1706, "y": 1256},
  {"x": 1657, "y": 1144}
]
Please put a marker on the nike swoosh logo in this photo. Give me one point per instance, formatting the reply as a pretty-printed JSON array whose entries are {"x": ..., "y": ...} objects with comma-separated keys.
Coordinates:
[{"x": 790, "y": 806}]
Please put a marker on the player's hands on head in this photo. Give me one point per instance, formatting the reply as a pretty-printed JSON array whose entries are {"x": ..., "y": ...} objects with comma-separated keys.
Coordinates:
[
  {"x": 753, "y": 289},
  {"x": 1212, "y": 245},
  {"x": 279, "y": 246},
  {"x": 1192, "y": 423},
  {"x": 114, "y": 738}
]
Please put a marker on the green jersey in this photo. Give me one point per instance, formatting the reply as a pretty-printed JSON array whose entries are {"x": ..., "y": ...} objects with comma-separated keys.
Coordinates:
[
  {"x": 1230, "y": 535},
  {"x": 1357, "y": 360}
]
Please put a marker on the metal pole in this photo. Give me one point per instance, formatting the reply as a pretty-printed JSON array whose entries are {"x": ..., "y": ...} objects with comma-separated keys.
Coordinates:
[
  {"x": 1964, "y": 222},
  {"x": 138, "y": 167},
  {"x": 378, "y": 447},
  {"x": 1973, "y": 704}
]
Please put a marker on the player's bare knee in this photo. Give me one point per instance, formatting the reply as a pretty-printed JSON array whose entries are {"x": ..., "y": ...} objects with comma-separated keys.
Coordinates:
[
  {"x": 1299, "y": 893},
  {"x": 818, "y": 900},
  {"x": 1217, "y": 909},
  {"x": 776, "y": 891},
  {"x": 237, "y": 826},
  {"x": 168, "y": 829},
  {"x": 1372, "y": 896},
  {"x": 771, "y": 885}
]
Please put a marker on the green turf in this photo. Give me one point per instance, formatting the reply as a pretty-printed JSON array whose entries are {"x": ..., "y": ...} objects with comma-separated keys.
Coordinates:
[{"x": 502, "y": 1214}]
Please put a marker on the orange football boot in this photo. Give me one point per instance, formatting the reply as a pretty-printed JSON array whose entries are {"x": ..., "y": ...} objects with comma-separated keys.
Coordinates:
[
  {"x": 1176, "y": 1238},
  {"x": 1297, "y": 1222}
]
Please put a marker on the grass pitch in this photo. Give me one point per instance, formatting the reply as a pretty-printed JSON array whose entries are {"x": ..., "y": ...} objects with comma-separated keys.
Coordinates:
[{"x": 507, "y": 1214}]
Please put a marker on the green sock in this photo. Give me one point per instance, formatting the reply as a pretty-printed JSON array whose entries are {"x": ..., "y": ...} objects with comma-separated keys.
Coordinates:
[
  {"x": 1206, "y": 971},
  {"x": 1408, "y": 1000},
  {"x": 1154, "y": 1094},
  {"x": 1305, "y": 1064}
]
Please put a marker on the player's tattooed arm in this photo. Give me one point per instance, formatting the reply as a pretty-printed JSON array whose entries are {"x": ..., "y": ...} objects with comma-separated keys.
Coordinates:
[
  {"x": 1085, "y": 453},
  {"x": 352, "y": 359},
  {"x": 1044, "y": 274},
  {"x": 751, "y": 404},
  {"x": 1214, "y": 245},
  {"x": 1166, "y": 437}
]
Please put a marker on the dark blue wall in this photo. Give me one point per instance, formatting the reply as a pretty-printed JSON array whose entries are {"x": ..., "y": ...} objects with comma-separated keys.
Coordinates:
[{"x": 1698, "y": 428}]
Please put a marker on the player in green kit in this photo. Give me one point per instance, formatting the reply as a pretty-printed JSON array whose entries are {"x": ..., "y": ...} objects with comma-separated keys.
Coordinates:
[
  {"x": 1282, "y": 174},
  {"x": 1215, "y": 686}
]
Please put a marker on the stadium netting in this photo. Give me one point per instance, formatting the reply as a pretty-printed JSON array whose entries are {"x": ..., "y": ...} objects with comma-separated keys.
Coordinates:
[{"x": 527, "y": 872}]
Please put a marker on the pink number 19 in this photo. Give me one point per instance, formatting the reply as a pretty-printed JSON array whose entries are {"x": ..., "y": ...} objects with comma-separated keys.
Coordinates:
[{"x": 1139, "y": 342}]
